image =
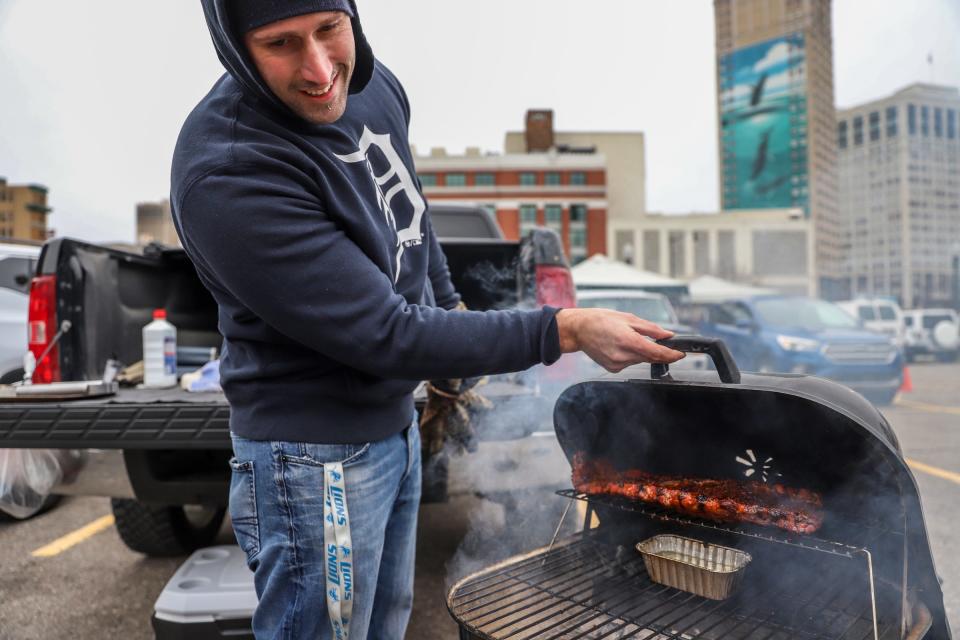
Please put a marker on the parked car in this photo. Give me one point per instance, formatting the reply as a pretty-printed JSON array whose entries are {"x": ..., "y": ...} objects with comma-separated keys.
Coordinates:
[
  {"x": 934, "y": 332},
  {"x": 877, "y": 314},
  {"x": 18, "y": 262},
  {"x": 654, "y": 307},
  {"x": 795, "y": 334}
]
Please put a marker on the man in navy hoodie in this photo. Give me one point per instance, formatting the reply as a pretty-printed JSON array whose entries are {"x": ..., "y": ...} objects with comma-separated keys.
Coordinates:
[{"x": 294, "y": 194}]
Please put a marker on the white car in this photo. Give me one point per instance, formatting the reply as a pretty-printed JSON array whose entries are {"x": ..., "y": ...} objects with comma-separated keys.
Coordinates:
[
  {"x": 18, "y": 263},
  {"x": 878, "y": 314},
  {"x": 933, "y": 332}
]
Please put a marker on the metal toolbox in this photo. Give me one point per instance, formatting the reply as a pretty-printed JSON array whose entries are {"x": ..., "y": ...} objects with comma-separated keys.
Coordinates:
[{"x": 707, "y": 570}]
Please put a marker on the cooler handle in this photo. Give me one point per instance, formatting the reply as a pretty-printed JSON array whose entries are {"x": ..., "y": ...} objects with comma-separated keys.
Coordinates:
[{"x": 713, "y": 347}]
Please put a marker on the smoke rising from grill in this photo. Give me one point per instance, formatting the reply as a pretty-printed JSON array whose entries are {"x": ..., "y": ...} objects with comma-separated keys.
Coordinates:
[{"x": 516, "y": 476}]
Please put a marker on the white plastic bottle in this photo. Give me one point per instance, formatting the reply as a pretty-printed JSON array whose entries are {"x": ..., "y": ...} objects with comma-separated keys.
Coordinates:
[{"x": 159, "y": 352}]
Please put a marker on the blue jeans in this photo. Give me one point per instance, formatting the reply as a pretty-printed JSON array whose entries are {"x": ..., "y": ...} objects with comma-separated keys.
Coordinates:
[{"x": 276, "y": 504}]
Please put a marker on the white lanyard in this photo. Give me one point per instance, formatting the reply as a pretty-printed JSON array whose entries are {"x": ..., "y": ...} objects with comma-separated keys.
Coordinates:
[{"x": 339, "y": 549}]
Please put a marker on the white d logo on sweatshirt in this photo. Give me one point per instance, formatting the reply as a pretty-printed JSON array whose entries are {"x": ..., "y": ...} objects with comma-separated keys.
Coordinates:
[{"x": 394, "y": 180}]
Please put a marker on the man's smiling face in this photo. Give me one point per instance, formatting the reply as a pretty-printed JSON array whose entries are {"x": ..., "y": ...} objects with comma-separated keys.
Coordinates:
[{"x": 307, "y": 62}]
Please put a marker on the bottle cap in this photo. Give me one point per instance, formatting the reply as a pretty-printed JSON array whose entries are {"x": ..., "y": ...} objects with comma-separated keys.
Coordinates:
[{"x": 159, "y": 314}]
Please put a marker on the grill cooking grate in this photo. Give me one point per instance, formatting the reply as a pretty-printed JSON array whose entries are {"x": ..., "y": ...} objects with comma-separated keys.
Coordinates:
[
  {"x": 866, "y": 534},
  {"x": 587, "y": 588}
]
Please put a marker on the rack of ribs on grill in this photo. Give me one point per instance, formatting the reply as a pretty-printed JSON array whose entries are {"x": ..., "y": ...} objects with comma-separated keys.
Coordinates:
[{"x": 795, "y": 510}]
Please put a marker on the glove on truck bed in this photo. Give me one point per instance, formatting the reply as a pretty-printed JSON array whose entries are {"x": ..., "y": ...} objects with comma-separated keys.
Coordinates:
[{"x": 161, "y": 455}]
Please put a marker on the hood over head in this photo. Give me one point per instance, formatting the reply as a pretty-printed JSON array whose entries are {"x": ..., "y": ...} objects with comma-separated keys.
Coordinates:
[{"x": 235, "y": 59}]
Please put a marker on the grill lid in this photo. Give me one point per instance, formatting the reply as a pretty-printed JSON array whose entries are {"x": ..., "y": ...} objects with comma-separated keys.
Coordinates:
[{"x": 797, "y": 430}]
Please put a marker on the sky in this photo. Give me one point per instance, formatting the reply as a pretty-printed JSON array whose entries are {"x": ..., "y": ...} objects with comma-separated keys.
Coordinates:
[{"x": 93, "y": 94}]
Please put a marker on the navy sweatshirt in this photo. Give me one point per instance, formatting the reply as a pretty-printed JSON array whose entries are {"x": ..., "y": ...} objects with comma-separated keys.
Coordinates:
[{"x": 315, "y": 241}]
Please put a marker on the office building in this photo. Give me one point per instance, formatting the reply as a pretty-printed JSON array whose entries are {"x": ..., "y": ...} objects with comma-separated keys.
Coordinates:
[{"x": 899, "y": 160}]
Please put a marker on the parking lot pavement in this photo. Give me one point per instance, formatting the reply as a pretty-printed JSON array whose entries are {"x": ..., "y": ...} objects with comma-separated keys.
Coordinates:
[{"x": 99, "y": 588}]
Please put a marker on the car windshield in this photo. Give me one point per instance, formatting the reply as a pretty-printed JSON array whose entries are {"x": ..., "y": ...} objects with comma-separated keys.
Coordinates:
[
  {"x": 866, "y": 313},
  {"x": 652, "y": 309},
  {"x": 806, "y": 313}
]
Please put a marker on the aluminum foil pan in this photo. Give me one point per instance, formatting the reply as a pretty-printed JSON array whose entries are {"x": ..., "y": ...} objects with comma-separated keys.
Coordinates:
[{"x": 706, "y": 570}]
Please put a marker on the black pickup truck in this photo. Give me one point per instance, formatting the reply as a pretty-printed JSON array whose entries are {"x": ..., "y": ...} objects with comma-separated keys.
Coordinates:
[{"x": 161, "y": 455}]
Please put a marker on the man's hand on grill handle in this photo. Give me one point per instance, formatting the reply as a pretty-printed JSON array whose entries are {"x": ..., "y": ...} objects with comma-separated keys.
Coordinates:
[{"x": 613, "y": 339}]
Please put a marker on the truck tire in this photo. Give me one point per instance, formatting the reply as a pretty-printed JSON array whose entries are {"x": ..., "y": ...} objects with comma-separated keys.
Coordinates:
[{"x": 165, "y": 530}]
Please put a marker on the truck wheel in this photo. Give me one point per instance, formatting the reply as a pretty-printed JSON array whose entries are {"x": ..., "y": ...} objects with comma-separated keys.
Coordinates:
[{"x": 165, "y": 530}]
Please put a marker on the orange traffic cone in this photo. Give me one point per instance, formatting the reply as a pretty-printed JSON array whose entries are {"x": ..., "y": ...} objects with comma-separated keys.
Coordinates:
[{"x": 907, "y": 385}]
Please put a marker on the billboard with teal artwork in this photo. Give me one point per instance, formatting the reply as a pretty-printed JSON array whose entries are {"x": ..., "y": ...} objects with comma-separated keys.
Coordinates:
[{"x": 763, "y": 127}]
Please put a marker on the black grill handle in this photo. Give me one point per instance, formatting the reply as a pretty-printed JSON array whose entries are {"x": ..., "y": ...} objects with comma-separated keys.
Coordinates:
[{"x": 713, "y": 347}]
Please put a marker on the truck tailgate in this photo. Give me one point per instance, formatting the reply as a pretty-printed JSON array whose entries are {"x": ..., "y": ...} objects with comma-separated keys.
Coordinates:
[{"x": 144, "y": 419}]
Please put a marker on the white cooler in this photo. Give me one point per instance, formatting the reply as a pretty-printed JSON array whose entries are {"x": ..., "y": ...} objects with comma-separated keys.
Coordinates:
[{"x": 211, "y": 596}]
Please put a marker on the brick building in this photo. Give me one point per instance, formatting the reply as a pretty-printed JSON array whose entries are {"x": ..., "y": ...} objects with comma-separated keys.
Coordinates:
[{"x": 561, "y": 191}]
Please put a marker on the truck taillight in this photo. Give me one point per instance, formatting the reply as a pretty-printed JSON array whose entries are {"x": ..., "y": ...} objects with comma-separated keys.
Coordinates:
[
  {"x": 42, "y": 327},
  {"x": 555, "y": 286}
]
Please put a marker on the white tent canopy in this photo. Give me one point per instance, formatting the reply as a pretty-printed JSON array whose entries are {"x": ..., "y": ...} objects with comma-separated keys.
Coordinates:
[
  {"x": 713, "y": 289},
  {"x": 601, "y": 272}
]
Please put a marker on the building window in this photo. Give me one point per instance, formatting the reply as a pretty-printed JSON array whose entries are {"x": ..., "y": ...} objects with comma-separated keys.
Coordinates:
[
  {"x": 951, "y": 124},
  {"x": 484, "y": 180},
  {"x": 891, "y": 122},
  {"x": 912, "y": 119},
  {"x": 553, "y": 215},
  {"x": 578, "y": 213},
  {"x": 925, "y": 120},
  {"x": 578, "y": 178},
  {"x": 858, "y": 131},
  {"x": 551, "y": 178},
  {"x": 842, "y": 134},
  {"x": 578, "y": 239},
  {"x": 874, "y": 126},
  {"x": 528, "y": 214},
  {"x": 428, "y": 179},
  {"x": 528, "y": 217},
  {"x": 455, "y": 180},
  {"x": 701, "y": 252},
  {"x": 528, "y": 179},
  {"x": 651, "y": 251},
  {"x": 677, "y": 254},
  {"x": 938, "y": 122}
]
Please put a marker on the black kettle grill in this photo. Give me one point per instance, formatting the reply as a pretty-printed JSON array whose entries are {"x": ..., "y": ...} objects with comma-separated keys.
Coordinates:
[{"x": 866, "y": 574}]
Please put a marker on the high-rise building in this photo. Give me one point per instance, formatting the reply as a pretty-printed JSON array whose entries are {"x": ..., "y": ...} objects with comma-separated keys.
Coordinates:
[
  {"x": 776, "y": 117},
  {"x": 155, "y": 224},
  {"x": 23, "y": 211},
  {"x": 900, "y": 194}
]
